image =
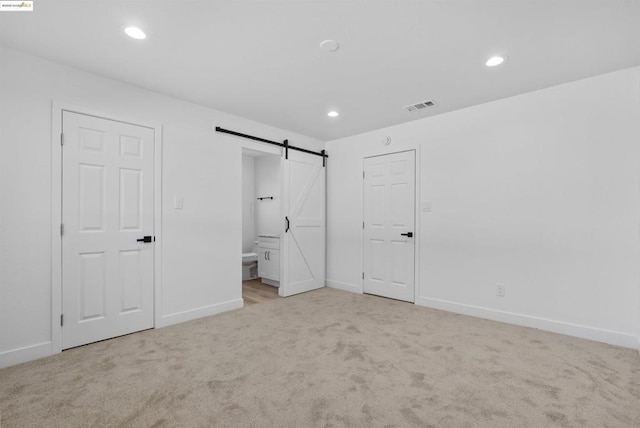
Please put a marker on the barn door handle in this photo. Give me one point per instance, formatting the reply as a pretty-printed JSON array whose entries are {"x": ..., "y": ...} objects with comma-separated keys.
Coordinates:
[
  {"x": 146, "y": 239},
  {"x": 287, "y": 229},
  {"x": 408, "y": 234}
]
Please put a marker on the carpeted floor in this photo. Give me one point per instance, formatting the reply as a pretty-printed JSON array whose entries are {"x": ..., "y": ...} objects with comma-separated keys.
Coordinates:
[{"x": 329, "y": 359}]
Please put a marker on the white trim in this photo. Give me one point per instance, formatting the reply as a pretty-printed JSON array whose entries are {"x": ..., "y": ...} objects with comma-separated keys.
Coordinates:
[
  {"x": 27, "y": 353},
  {"x": 569, "y": 329},
  {"x": 417, "y": 234},
  {"x": 270, "y": 282},
  {"x": 344, "y": 286},
  {"x": 254, "y": 145},
  {"x": 196, "y": 313},
  {"x": 57, "y": 109},
  {"x": 56, "y": 220},
  {"x": 157, "y": 226}
]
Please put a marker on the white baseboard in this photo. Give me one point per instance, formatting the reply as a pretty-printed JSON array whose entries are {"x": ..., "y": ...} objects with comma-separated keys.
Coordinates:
[
  {"x": 22, "y": 355},
  {"x": 40, "y": 350},
  {"x": 569, "y": 329},
  {"x": 270, "y": 282},
  {"x": 196, "y": 313},
  {"x": 344, "y": 286}
]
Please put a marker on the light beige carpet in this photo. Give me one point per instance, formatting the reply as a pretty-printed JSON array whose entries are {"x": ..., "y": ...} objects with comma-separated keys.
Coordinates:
[{"x": 329, "y": 359}]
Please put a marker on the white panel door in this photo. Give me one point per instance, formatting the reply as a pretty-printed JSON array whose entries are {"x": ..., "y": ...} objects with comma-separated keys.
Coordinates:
[
  {"x": 107, "y": 205},
  {"x": 389, "y": 213},
  {"x": 303, "y": 243}
]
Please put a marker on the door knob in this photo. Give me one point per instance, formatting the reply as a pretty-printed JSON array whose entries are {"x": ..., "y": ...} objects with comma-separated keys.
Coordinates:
[
  {"x": 408, "y": 234},
  {"x": 147, "y": 239}
]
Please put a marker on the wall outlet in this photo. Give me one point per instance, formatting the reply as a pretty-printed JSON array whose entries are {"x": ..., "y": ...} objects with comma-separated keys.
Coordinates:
[
  {"x": 178, "y": 202},
  {"x": 500, "y": 290}
]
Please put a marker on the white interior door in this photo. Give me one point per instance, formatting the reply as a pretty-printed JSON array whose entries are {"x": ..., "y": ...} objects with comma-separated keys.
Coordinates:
[
  {"x": 107, "y": 205},
  {"x": 303, "y": 243},
  {"x": 389, "y": 213}
]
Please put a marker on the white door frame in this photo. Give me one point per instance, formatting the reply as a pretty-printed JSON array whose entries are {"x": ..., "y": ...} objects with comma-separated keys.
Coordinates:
[
  {"x": 417, "y": 233},
  {"x": 57, "y": 109}
]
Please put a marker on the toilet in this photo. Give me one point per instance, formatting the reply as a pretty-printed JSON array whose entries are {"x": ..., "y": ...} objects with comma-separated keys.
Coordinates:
[{"x": 250, "y": 263}]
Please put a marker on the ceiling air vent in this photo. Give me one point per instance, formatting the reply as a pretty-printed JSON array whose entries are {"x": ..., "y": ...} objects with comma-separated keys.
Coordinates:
[{"x": 420, "y": 106}]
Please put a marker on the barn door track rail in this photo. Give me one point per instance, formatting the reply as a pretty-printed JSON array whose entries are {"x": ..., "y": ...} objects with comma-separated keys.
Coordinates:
[{"x": 284, "y": 144}]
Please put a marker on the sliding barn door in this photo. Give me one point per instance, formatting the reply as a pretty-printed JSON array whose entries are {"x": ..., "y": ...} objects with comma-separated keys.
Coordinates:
[
  {"x": 107, "y": 209},
  {"x": 303, "y": 243}
]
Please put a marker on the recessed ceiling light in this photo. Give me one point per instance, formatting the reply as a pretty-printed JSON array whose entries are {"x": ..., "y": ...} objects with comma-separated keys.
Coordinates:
[
  {"x": 135, "y": 33},
  {"x": 494, "y": 60},
  {"x": 329, "y": 46},
  {"x": 333, "y": 113}
]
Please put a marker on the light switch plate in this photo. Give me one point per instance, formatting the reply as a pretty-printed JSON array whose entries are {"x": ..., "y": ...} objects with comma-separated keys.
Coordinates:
[
  {"x": 178, "y": 202},
  {"x": 426, "y": 207}
]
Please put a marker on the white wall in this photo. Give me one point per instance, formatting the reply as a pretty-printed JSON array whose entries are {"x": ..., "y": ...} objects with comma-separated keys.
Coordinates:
[
  {"x": 269, "y": 219},
  {"x": 199, "y": 243},
  {"x": 248, "y": 203},
  {"x": 539, "y": 192}
]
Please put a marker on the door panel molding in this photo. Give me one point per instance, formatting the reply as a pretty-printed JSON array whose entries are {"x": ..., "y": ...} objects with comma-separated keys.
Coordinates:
[
  {"x": 389, "y": 248},
  {"x": 58, "y": 107}
]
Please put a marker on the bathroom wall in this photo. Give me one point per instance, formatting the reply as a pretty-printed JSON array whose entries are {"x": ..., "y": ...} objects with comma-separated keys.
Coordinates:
[
  {"x": 248, "y": 203},
  {"x": 267, "y": 183}
]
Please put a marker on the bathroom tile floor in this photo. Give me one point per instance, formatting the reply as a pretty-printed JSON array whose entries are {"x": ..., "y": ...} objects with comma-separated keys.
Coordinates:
[{"x": 254, "y": 291}]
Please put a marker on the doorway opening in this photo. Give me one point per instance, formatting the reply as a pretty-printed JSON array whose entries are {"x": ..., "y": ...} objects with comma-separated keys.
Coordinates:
[
  {"x": 261, "y": 225},
  {"x": 283, "y": 238}
]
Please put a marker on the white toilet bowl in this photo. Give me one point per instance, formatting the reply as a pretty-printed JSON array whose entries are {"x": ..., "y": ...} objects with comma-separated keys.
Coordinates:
[
  {"x": 250, "y": 263},
  {"x": 248, "y": 258}
]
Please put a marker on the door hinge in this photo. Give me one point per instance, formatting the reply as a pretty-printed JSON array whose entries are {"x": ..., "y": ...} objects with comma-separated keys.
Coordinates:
[
  {"x": 362, "y": 275},
  {"x": 362, "y": 174},
  {"x": 363, "y": 224},
  {"x": 62, "y": 229},
  {"x": 61, "y": 320},
  {"x": 62, "y": 139}
]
